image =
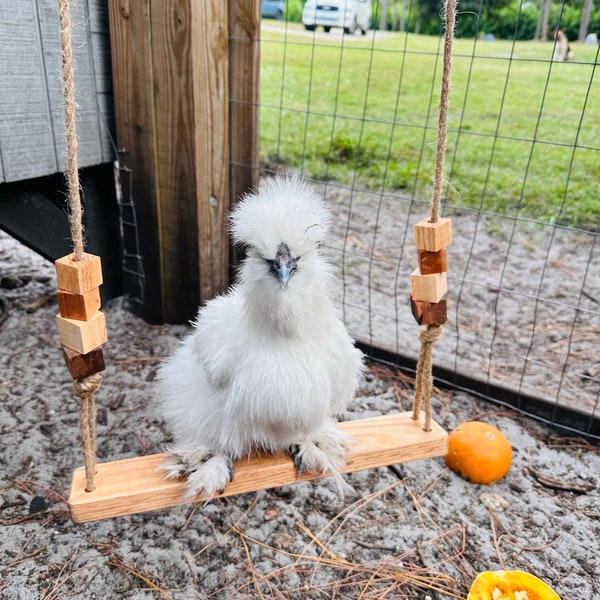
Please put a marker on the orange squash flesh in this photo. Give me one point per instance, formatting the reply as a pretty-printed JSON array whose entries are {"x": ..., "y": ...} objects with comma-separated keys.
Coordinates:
[{"x": 510, "y": 585}]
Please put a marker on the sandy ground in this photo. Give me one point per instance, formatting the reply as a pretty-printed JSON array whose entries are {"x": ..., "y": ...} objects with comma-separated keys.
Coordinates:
[{"x": 415, "y": 530}]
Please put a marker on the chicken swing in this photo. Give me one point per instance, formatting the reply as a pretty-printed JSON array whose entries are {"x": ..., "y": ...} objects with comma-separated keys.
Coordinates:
[{"x": 135, "y": 485}]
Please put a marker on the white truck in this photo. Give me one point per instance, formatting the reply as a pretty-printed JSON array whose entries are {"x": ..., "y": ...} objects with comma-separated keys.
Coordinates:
[{"x": 347, "y": 14}]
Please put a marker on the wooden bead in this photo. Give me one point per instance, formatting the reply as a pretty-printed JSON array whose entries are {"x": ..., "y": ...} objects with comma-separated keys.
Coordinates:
[
  {"x": 82, "y": 336},
  {"x": 78, "y": 306},
  {"x": 433, "y": 236},
  {"x": 428, "y": 288},
  {"x": 426, "y": 313},
  {"x": 84, "y": 365},
  {"x": 432, "y": 262},
  {"x": 81, "y": 276}
]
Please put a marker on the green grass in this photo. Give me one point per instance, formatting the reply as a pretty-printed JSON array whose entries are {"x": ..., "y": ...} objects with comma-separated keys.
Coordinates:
[{"x": 370, "y": 118}]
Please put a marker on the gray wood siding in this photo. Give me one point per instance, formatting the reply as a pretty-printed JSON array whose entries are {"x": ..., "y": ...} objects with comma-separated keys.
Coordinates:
[{"x": 31, "y": 115}]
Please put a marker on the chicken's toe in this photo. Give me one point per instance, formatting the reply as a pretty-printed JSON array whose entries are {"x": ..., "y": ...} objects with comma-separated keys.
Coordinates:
[
  {"x": 325, "y": 454},
  {"x": 210, "y": 478},
  {"x": 294, "y": 452},
  {"x": 181, "y": 462}
]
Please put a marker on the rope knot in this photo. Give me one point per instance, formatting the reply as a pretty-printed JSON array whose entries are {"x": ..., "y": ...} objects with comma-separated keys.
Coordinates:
[
  {"x": 431, "y": 334},
  {"x": 87, "y": 386}
]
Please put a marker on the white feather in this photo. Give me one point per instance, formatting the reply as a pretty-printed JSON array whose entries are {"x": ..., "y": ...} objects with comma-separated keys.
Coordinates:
[{"x": 266, "y": 367}]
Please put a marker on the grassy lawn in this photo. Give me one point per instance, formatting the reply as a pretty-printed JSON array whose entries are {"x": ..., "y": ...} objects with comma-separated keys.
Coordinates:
[{"x": 365, "y": 112}]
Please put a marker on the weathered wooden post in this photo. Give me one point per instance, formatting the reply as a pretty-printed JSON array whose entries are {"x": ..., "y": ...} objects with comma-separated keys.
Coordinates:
[{"x": 174, "y": 72}]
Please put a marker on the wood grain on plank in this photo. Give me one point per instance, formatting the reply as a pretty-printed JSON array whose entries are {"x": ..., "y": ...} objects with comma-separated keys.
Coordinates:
[{"x": 135, "y": 485}]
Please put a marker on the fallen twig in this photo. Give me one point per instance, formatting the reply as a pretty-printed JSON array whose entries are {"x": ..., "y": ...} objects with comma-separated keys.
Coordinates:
[
  {"x": 138, "y": 359},
  {"x": 119, "y": 563},
  {"x": 567, "y": 486}
]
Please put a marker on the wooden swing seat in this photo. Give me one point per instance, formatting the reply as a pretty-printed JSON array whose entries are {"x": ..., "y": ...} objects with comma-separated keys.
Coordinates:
[{"x": 136, "y": 485}]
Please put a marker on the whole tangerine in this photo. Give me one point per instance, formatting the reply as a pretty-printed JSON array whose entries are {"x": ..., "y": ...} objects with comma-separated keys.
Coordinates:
[{"x": 478, "y": 452}]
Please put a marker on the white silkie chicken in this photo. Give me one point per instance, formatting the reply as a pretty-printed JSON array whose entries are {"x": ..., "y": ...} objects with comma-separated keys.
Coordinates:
[{"x": 270, "y": 364}]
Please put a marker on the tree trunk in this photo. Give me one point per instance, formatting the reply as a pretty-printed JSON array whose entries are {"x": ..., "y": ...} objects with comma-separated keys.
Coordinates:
[
  {"x": 585, "y": 19},
  {"x": 538, "y": 26},
  {"x": 541, "y": 27},
  {"x": 403, "y": 16},
  {"x": 383, "y": 16},
  {"x": 546, "y": 19}
]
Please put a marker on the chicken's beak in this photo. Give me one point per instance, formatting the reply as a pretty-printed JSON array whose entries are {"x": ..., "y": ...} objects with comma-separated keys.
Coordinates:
[
  {"x": 283, "y": 273},
  {"x": 283, "y": 266}
]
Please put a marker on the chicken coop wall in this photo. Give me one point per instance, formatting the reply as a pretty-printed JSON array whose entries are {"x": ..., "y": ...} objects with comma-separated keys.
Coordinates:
[{"x": 32, "y": 133}]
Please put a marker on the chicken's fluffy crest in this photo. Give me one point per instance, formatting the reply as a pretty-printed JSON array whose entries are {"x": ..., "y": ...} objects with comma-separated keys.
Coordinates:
[{"x": 286, "y": 210}]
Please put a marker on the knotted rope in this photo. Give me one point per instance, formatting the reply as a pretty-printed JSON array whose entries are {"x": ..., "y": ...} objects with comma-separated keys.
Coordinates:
[
  {"x": 424, "y": 378},
  {"x": 424, "y": 381},
  {"x": 84, "y": 387}
]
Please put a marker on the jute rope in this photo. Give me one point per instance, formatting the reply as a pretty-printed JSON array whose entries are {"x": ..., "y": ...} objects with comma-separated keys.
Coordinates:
[
  {"x": 84, "y": 388},
  {"x": 424, "y": 381},
  {"x": 72, "y": 173},
  {"x": 424, "y": 378},
  {"x": 438, "y": 177}
]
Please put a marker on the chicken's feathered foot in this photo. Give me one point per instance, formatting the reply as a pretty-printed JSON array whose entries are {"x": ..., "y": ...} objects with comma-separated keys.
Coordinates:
[
  {"x": 324, "y": 455},
  {"x": 206, "y": 473}
]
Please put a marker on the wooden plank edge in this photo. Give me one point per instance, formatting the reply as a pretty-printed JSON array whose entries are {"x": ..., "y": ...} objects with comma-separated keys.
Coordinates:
[{"x": 135, "y": 485}]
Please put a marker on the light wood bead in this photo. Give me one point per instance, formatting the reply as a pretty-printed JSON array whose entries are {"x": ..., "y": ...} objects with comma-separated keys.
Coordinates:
[
  {"x": 433, "y": 236},
  {"x": 78, "y": 276},
  {"x": 428, "y": 288},
  {"x": 82, "y": 336},
  {"x": 78, "y": 306}
]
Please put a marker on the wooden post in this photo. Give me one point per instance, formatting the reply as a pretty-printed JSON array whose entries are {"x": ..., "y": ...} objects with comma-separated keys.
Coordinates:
[
  {"x": 245, "y": 67},
  {"x": 171, "y": 72}
]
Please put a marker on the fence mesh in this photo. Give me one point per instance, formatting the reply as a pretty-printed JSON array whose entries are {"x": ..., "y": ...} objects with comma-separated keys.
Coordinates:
[{"x": 358, "y": 116}]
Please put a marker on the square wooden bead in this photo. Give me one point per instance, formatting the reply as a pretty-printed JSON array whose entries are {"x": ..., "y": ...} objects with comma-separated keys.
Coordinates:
[
  {"x": 84, "y": 365},
  {"x": 432, "y": 262},
  {"x": 430, "y": 288},
  {"x": 433, "y": 236},
  {"x": 82, "y": 336},
  {"x": 426, "y": 313},
  {"x": 78, "y": 306},
  {"x": 78, "y": 276}
]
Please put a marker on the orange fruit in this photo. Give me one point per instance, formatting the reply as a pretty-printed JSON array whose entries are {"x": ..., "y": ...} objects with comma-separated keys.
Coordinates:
[{"x": 478, "y": 452}]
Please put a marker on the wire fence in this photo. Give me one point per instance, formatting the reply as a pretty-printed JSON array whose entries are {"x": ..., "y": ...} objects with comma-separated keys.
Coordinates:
[{"x": 358, "y": 116}]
